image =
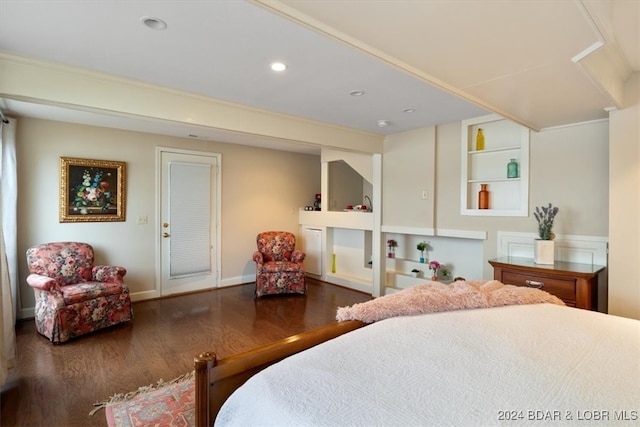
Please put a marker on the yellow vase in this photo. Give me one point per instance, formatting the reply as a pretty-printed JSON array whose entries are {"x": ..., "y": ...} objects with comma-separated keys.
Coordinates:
[{"x": 480, "y": 140}]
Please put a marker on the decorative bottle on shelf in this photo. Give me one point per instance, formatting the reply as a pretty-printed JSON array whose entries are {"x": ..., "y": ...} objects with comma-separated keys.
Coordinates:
[
  {"x": 480, "y": 140},
  {"x": 483, "y": 197},
  {"x": 512, "y": 169}
]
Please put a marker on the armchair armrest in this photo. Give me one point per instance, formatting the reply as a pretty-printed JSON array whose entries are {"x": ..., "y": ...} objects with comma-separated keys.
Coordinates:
[
  {"x": 297, "y": 256},
  {"x": 258, "y": 258},
  {"x": 41, "y": 282},
  {"x": 108, "y": 273}
]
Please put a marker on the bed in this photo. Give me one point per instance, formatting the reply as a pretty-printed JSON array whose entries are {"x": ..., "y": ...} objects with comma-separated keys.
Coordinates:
[{"x": 485, "y": 364}]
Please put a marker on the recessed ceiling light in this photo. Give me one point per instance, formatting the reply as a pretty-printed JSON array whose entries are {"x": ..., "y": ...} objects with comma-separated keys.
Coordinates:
[
  {"x": 153, "y": 23},
  {"x": 278, "y": 66},
  {"x": 409, "y": 110},
  {"x": 383, "y": 123},
  {"x": 356, "y": 93}
]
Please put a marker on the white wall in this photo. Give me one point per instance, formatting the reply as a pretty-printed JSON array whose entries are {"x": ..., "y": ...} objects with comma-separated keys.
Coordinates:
[
  {"x": 261, "y": 189},
  {"x": 624, "y": 205},
  {"x": 408, "y": 166}
]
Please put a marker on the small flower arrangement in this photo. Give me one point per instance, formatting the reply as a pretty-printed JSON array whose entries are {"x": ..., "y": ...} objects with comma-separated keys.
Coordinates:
[
  {"x": 545, "y": 216},
  {"x": 392, "y": 244},
  {"x": 434, "y": 266}
]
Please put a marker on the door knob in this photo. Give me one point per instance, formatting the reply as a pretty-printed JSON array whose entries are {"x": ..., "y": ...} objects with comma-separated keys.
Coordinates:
[{"x": 165, "y": 235}]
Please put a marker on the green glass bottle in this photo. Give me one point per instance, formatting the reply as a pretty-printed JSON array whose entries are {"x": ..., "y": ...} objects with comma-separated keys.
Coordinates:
[{"x": 512, "y": 169}]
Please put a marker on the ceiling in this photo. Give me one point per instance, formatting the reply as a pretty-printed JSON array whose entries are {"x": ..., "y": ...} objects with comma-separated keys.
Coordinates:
[{"x": 446, "y": 60}]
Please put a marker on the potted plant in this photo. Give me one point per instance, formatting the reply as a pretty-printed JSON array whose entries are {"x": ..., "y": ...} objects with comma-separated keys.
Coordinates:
[
  {"x": 422, "y": 246},
  {"x": 444, "y": 272},
  {"x": 544, "y": 247},
  {"x": 391, "y": 244},
  {"x": 415, "y": 272},
  {"x": 434, "y": 266}
]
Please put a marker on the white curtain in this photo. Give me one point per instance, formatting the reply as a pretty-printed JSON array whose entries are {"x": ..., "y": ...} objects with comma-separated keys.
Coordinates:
[{"x": 8, "y": 247}]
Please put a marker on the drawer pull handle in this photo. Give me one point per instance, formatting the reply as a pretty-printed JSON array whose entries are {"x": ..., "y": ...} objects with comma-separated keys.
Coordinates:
[{"x": 534, "y": 284}]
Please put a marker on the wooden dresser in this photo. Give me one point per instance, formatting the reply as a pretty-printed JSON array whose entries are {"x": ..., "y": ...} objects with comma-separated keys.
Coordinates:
[{"x": 575, "y": 284}]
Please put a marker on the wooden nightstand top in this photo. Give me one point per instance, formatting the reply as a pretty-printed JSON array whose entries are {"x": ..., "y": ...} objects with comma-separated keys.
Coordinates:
[{"x": 572, "y": 268}]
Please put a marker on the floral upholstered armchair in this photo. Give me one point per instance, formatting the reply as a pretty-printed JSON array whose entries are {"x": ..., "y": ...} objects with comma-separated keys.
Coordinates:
[
  {"x": 279, "y": 267},
  {"x": 73, "y": 296}
]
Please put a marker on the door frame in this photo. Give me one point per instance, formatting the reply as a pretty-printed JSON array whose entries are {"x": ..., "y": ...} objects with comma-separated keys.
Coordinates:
[{"x": 216, "y": 212}]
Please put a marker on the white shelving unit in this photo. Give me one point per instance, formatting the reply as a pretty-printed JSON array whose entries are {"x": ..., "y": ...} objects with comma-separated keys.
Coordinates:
[
  {"x": 399, "y": 272},
  {"x": 504, "y": 140}
]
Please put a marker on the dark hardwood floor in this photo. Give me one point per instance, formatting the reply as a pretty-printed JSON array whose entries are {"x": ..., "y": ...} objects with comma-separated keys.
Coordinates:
[{"x": 57, "y": 385}]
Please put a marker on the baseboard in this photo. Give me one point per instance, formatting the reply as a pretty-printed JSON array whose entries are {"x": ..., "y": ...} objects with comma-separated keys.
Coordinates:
[
  {"x": 144, "y": 295},
  {"x": 237, "y": 280},
  {"x": 26, "y": 313}
]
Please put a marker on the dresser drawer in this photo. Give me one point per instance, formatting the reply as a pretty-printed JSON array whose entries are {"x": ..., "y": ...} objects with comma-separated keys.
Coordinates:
[{"x": 565, "y": 289}]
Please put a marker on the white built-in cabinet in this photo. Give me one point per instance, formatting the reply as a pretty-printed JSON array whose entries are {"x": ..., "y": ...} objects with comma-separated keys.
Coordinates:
[
  {"x": 504, "y": 140},
  {"x": 312, "y": 247}
]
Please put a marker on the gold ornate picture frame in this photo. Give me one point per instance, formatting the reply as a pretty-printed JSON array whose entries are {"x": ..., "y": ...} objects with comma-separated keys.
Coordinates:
[{"x": 92, "y": 190}]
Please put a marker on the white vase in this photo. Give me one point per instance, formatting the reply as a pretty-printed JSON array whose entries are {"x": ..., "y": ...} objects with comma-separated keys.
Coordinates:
[{"x": 543, "y": 251}]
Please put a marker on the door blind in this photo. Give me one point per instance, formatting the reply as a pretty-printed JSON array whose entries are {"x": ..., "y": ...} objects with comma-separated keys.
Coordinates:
[{"x": 189, "y": 219}]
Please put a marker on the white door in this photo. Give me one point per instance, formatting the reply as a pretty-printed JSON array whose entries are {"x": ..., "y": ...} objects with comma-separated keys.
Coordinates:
[{"x": 188, "y": 238}]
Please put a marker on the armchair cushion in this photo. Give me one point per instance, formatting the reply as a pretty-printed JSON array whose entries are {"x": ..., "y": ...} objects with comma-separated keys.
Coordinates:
[
  {"x": 80, "y": 292},
  {"x": 74, "y": 297}
]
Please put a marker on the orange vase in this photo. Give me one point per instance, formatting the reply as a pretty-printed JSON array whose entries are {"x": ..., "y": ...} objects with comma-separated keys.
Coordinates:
[{"x": 483, "y": 197}]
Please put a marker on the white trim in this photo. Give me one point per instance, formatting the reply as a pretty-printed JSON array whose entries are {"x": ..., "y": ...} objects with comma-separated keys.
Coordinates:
[
  {"x": 144, "y": 295},
  {"x": 439, "y": 232},
  {"x": 462, "y": 234},
  {"x": 27, "y": 313},
  {"x": 351, "y": 282},
  {"x": 237, "y": 280},
  {"x": 420, "y": 231},
  {"x": 588, "y": 51},
  {"x": 568, "y": 125}
]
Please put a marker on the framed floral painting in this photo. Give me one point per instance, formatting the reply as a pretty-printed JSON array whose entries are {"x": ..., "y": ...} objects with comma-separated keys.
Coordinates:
[{"x": 91, "y": 190}]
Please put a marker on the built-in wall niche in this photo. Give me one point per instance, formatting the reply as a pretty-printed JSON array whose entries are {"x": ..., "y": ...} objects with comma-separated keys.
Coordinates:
[
  {"x": 346, "y": 187},
  {"x": 463, "y": 257},
  {"x": 486, "y": 167},
  {"x": 349, "y": 258}
]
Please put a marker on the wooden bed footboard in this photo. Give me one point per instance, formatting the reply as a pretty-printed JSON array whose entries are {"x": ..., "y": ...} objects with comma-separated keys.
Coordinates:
[{"x": 215, "y": 379}]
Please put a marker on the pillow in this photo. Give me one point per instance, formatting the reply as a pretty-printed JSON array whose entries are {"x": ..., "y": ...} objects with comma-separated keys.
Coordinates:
[{"x": 435, "y": 297}]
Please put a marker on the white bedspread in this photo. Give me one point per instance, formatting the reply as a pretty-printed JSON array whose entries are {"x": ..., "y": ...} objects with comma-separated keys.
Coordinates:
[{"x": 537, "y": 364}]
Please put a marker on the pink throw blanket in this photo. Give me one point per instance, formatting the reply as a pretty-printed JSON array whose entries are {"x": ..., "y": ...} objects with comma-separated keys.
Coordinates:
[{"x": 435, "y": 297}]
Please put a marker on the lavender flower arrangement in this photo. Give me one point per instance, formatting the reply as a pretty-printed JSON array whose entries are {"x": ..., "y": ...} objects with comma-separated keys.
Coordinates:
[{"x": 545, "y": 216}]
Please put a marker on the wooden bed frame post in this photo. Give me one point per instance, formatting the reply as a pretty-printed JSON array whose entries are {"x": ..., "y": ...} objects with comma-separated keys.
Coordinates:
[{"x": 203, "y": 363}]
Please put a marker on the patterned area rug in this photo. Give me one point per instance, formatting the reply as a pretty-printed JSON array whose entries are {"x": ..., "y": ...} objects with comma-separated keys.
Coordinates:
[{"x": 164, "y": 404}]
